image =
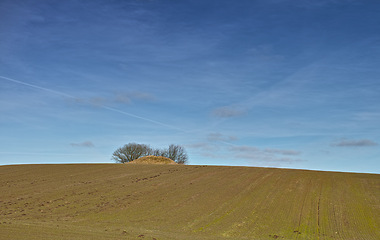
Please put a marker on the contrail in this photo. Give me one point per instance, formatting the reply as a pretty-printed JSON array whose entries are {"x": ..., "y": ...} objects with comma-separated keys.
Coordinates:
[
  {"x": 142, "y": 118},
  {"x": 38, "y": 87},
  {"x": 102, "y": 106},
  {"x": 43, "y": 154}
]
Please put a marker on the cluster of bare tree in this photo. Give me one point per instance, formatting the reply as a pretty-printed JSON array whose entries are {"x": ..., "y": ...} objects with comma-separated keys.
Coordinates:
[{"x": 132, "y": 151}]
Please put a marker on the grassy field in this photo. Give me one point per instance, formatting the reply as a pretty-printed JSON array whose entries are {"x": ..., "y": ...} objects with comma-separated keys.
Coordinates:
[{"x": 116, "y": 201}]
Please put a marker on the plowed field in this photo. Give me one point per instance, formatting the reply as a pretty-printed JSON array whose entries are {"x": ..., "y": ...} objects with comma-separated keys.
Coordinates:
[{"x": 116, "y": 201}]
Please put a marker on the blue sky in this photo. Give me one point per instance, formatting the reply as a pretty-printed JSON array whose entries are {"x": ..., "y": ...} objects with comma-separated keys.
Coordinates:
[{"x": 268, "y": 83}]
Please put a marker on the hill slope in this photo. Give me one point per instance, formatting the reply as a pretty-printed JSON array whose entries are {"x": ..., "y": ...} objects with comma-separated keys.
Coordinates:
[{"x": 116, "y": 201}]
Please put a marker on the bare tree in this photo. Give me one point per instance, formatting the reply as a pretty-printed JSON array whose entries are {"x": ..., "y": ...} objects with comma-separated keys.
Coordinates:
[
  {"x": 133, "y": 151},
  {"x": 176, "y": 153},
  {"x": 130, "y": 152}
]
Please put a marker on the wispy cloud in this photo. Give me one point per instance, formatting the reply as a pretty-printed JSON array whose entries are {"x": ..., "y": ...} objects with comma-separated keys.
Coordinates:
[
  {"x": 252, "y": 154},
  {"x": 85, "y": 144},
  {"x": 226, "y": 112},
  {"x": 367, "y": 116},
  {"x": 354, "y": 143},
  {"x": 43, "y": 153},
  {"x": 310, "y": 4},
  {"x": 129, "y": 97},
  {"x": 220, "y": 137},
  {"x": 116, "y": 98},
  {"x": 283, "y": 152},
  {"x": 93, "y": 100},
  {"x": 245, "y": 149},
  {"x": 98, "y": 101},
  {"x": 203, "y": 146},
  {"x": 269, "y": 156},
  {"x": 264, "y": 53},
  {"x": 208, "y": 150}
]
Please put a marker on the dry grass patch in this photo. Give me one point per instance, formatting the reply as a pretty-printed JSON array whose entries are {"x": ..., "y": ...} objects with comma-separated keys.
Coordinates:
[{"x": 153, "y": 160}]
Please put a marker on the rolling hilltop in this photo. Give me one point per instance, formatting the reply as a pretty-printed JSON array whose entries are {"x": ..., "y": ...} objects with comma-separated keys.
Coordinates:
[{"x": 131, "y": 201}]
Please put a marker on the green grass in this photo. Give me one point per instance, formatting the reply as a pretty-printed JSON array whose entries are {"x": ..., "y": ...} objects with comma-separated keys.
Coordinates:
[{"x": 127, "y": 201}]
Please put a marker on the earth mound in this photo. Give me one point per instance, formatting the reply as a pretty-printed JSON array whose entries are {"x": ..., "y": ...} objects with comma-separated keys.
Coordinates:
[{"x": 153, "y": 160}]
